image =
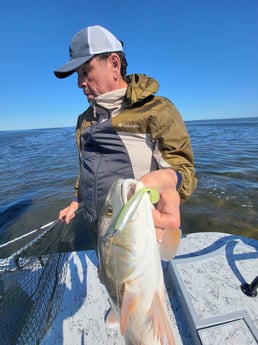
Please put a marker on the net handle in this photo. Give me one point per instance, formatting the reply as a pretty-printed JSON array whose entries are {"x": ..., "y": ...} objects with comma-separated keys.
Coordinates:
[
  {"x": 10, "y": 263},
  {"x": 29, "y": 233},
  {"x": 42, "y": 227}
]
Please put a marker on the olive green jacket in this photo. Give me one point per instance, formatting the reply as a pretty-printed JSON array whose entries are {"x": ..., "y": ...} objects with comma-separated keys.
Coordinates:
[{"x": 148, "y": 134}]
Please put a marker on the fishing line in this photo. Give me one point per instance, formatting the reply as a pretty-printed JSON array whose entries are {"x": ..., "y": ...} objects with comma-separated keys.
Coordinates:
[{"x": 117, "y": 291}]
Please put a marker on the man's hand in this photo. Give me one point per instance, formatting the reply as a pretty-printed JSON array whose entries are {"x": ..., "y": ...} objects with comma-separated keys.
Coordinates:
[
  {"x": 167, "y": 213},
  {"x": 68, "y": 213}
]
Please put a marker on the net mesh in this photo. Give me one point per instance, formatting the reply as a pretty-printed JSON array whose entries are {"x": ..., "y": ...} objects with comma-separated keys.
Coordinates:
[{"x": 32, "y": 282}]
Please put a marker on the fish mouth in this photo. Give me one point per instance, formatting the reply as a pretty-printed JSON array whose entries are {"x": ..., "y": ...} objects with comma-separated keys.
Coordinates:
[{"x": 128, "y": 188}]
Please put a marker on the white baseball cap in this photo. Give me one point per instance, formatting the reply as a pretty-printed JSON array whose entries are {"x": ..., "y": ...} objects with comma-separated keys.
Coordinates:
[{"x": 85, "y": 44}]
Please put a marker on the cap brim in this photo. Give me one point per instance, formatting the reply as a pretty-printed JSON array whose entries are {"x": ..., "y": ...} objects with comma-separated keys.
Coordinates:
[{"x": 67, "y": 69}]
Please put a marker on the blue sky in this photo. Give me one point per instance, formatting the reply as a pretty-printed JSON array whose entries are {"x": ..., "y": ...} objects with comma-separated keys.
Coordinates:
[{"x": 204, "y": 53}]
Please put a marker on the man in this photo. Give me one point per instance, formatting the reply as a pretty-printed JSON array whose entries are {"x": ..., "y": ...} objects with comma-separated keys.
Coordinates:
[{"x": 126, "y": 132}]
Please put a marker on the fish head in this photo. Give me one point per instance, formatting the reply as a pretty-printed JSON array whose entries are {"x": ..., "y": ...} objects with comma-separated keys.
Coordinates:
[
  {"x": 125, "y": 201},
  {"x": 118, "y": 195},
  {"x": 107, "y": 215},
  {"x": 123, "y": 223}
]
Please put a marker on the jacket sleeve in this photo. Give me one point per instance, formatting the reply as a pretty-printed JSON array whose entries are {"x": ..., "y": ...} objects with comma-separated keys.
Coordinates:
[{"x": 173, "y": 146}]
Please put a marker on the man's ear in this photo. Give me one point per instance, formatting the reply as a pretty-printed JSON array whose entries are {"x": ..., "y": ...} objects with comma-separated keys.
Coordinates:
[
  {"x": 116, "y": 64},
  {"x": 115, "y": 61}
]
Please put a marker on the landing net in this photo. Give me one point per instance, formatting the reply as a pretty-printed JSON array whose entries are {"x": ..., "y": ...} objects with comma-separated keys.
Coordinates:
[{"x": 32, "y": 280}]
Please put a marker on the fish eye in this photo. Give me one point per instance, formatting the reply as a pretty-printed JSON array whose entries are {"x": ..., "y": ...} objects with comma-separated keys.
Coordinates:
[{"x": 109, "y": 211}]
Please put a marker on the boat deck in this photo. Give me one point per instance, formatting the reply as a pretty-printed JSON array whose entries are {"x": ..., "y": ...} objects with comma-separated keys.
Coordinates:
[{"x": 204, "y": 299}]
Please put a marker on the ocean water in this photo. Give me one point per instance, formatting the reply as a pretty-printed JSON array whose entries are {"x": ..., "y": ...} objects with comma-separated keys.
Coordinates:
[
  {"x": 226, "y": 160},
  {"x": 38, "y": 169}
]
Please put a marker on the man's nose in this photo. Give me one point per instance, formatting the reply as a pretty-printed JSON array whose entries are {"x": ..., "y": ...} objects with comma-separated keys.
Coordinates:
[{"x": 81, "y": 82}]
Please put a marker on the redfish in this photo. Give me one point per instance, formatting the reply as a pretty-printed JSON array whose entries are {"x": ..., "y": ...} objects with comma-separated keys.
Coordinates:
[{"x": 130, "y": 264}]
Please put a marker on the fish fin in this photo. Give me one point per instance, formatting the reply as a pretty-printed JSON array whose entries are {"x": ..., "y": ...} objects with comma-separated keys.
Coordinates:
[
  {"x": 160, "y": 321},
  {"x": 130, "y": 300},
  {"x": 169, "y": 243},
  {"x": 111, "y": 319}
]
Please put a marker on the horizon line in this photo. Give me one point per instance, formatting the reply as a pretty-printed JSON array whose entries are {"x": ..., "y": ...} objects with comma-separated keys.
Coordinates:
[{"x": 197, "y": 120}]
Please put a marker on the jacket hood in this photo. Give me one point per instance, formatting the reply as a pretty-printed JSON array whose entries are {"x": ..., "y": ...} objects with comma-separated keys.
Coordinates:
[{"x": 140, "y": 87}]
